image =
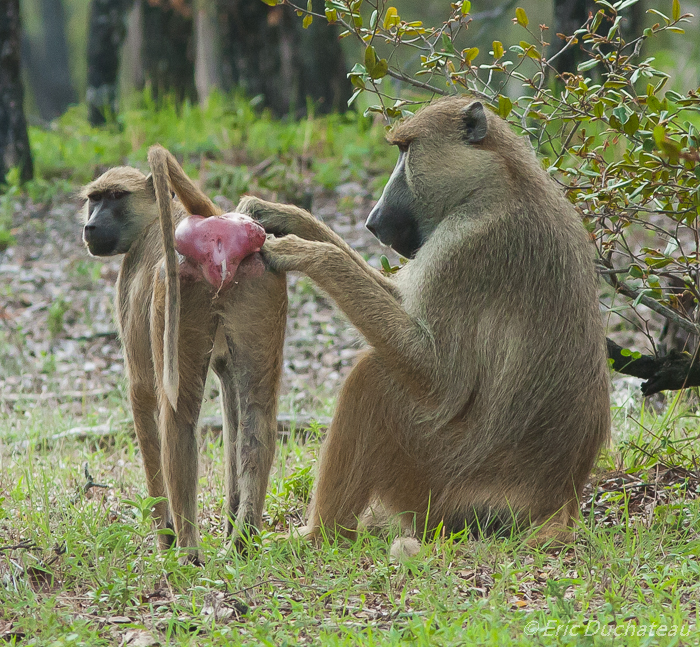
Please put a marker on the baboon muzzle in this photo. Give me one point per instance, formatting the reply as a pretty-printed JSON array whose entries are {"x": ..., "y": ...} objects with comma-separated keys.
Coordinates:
[{"x": 393, "y": 220}]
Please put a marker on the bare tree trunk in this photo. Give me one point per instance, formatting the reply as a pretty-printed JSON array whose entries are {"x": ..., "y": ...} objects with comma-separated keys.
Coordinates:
[
  {"x": 168, "y": 51},
  {"x": 569, "y": 15},
  {"x": 132, "y": 50},
  {"x": 207, "y": 68},
  {"x": 267, "y": 52},
  {"x": 106, "y": 32},
  {"x": 14, "y": 141},
  {"x": 48, "y": 68}
]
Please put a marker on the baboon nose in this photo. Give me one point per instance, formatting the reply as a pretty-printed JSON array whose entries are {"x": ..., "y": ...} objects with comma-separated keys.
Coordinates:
[{"x": 371, "y": 227}]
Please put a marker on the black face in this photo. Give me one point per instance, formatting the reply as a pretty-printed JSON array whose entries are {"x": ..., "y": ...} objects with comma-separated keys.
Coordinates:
[
  {"x": 393, "y": 220},
  {"x": 106, "y": 228}
]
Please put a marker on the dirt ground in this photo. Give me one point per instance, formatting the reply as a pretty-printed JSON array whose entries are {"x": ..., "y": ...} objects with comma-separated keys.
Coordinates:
[{"x": 58, "y": 341}]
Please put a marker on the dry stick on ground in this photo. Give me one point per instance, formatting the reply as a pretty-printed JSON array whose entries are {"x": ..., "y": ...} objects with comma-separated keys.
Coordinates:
[{"x": 287, "y": 426}]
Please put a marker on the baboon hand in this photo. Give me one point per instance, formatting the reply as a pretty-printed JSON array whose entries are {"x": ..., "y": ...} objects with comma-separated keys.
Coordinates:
[
  {"x": 268, "y": 214},
  {"x": 287, "y": 253}
]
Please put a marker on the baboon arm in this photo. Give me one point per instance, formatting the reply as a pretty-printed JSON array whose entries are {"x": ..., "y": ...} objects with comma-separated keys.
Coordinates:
[
  {"x": 283, "y": 219},
  {"x": 404, "y": 342}
]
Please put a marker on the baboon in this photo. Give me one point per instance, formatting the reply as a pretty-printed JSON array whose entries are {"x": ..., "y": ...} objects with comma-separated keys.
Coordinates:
[
  {"x": 239, "y": 333},
  {"x": 483, "y": 399}
]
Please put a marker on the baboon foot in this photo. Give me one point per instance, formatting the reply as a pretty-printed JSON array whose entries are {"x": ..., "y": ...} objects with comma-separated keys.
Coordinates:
[
  {"x": 308, "y": 533},
  {"x": 551, "y": 536},
  {"x": 190, "y": 556}
]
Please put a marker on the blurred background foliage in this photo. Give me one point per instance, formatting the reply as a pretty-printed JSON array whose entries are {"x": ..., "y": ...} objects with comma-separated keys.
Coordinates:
[{"x": 243, "y": 88}]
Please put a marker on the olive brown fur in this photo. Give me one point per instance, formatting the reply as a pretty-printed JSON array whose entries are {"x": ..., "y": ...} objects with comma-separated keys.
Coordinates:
[
  {"x": 239, "y": 333},
  {"x": 483, "y": 399}
]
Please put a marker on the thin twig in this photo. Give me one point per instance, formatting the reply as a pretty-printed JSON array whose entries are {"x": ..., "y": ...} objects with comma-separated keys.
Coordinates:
[{"x": 27, "y": 544}]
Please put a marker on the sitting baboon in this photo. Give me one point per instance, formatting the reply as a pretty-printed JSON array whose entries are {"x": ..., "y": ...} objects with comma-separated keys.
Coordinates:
[
  {"x": 483, "y": 400},
  {"x": 240, "y": 333}
]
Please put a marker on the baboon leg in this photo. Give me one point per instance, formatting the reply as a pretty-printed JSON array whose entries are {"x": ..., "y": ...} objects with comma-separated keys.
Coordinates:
[
  {"x": 144, "y": 408},
  {"x": 362, "y": 457},
  {"x": 255, "y": 325},
  {"x": 223, "y": 366},
  {"x": 178, "y": 428}
]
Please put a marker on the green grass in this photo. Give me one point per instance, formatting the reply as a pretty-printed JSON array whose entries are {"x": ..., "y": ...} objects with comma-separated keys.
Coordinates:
[
  {"x": 87, "y": 572},
  {"x": 219, "y": 142}
]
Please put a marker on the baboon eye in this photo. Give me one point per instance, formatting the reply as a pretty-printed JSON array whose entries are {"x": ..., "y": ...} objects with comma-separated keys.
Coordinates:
[{"x": 116, "y": 195}]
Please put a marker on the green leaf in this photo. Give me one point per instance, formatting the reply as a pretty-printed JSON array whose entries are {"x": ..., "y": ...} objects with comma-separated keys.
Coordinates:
[
  {"x": 331, "y": 15},
  {"x": 447, "y": 43},
  {"x": 466, "y": 7},
  {"x": 631, "y": 126},
  {"x": 497, "y": 49},
  {"x": 391, "y": 18},
  {"x": 663, "y": 17},
  {"x": 653, "y": 103},
  {"x": 676, "y": 13},
  {"x": 373, "y": 20},
  {"x": 386, "y": 265},
  {"x": 308, "y": 19},
  {"x": 380, "y": 69},
  {"x": 521, "y": 17},
  {"x": 621, "y": 113},
  {"x": 505, "y": 105},
  {"x": 659, "y": 134},
  {"x": 470, "y": 54},
  {"x": 587, "y": 65},
  {"x": 354, "y": 96},
  {"x": 370, "y": 58},
  {"x": 597, "y": 19},
  {"x": 271, "y": 3}
]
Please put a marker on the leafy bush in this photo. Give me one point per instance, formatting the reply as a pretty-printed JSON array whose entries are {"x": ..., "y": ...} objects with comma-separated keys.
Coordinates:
[{"x": 623, "y": 145}]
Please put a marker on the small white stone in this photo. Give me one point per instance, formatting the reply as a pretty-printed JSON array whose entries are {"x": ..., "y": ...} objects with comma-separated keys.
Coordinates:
[{"x": 404, "y": 548}]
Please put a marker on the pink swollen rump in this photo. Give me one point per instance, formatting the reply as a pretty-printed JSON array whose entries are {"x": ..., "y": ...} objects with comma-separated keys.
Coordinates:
[{"x": 214, "y": 247}]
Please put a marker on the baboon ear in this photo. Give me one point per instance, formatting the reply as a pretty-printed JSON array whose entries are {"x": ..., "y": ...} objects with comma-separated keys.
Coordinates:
[{"x": 474, "y": 125}]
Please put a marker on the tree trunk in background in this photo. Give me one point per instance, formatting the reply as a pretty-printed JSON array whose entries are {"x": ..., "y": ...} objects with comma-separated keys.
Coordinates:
[
  {"x": 168, "y": 51},
  {"x": 267, "y": 52},
  {"x": 131, "y": 68},
  {"x": 14, "y": 142},
  {"x": 106, "y": 32},
  {"x": 207, "y": 72},
  {"x": 324, "y": 75},
  {"x": 48, "y": 68},
  {"x": 569, "y": 15}
]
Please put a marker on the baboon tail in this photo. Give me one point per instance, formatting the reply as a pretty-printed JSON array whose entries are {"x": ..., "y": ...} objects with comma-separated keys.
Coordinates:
[{"x": 158, "y": 161}]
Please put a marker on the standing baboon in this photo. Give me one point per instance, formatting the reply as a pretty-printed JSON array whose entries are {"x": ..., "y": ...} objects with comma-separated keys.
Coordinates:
[
  {"x": 483, "y": 399},
  {"x": 240, "y": 333}
]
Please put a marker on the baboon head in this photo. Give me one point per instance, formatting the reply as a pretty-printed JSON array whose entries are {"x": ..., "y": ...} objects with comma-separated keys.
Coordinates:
[
  {"x": 119, "y": 205},
  {"x": 446, "y": 159}
]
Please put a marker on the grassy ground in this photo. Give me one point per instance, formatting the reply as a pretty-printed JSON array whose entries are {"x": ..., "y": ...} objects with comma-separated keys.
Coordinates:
[{"x": 78, "y": 565}]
